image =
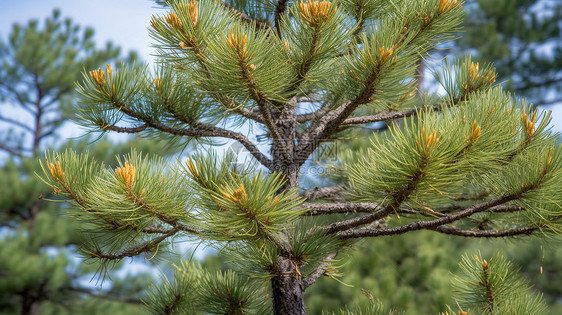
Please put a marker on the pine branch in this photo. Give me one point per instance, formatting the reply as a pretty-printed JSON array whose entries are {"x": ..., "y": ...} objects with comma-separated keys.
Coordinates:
[
  {"x": 113, "y": 225},
  {"x": 431, "y": 224},
  {"x": 336, "y": 227},
  {"x": 156, "y": 230},
  {"x": 343, "y": 207},
  {"x": 244, "y": 17},
  {"x": 239, "y": 109},
  {"x": 199, "y": 130},
  {"x": 506, "y": 209},
  {"x": 10, "y": 150},
  {"x": 135, "y": 250},
  {"x": 398, "y": 198},
  {"x": 331, "y": 122},
  {"x": 306, "y": 64},
  {"x": 125, "y": 129},
  {"x": 322, "y": 193},
  {"x": 527, "y": 230},
  {"x": 386, "y": 115},
  {"x": 16, "y": 123},
  {"x": 264, "y": 108},
  {"x": 480, "y": 196},
  {"x": 320, "y": 270},
  {"x": 174, "y": 222},
  {"x": 321, "y": 130},
  {"x": 401, "y": 196},
  {"x": 314, "y": 115}
]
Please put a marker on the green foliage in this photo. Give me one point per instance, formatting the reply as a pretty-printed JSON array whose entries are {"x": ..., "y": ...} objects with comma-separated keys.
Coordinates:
[
  {"x": 196, "y": 291},
  {"x": 491, "y": 151},
  {"x": 256, "y": 210},
  {"x": 495, "y": 287}
]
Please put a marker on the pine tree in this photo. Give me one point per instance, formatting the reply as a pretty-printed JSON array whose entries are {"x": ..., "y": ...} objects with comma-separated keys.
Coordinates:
[
  {"x": 524, "y": 40},
  {"x": 38, "y": 271},
  {"x": 476, "y": 163}
]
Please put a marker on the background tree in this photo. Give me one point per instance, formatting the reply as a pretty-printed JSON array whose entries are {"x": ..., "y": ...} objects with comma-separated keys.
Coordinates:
[
  {"x": 475, "y": 164},
  {"x": 39, "y": 270},
  {"x": 524, "y": 40}
]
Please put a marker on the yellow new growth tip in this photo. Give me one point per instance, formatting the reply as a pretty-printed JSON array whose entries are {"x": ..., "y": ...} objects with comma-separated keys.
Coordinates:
[
  {"x": 427, "y": 143},
  {"x": 316, "y": 13},
  {"x": 550, "y": 156},
  {"x": 191, "y": 168},
  {"x": 193, "y": 12},
  {"x": 237, "y": 45},
  {"x": 173, "y": 20},
  {"x": 385, "y": 54},
  {"x": 445, "y": 5},
  {"x": 529, "y": 124},
  {"x": 463, "y": 313},
  {"x": 473, "y": 69},
  {"x": 286, "y": 43},
  {"x": 56, "y": 171},
  {"x": 109, "y": 71},
  {"x": 490, "y": 77},
  {"x": 126, "y": 174},
  {"x": 98, "y": 76},
  {"x": 158, "y": 85},
  {"x": 240, "y": 194},
  {"x": 475, "y": 132},
  {"x": 484, "y": 263},
  {"x": 274, "y": 199}
]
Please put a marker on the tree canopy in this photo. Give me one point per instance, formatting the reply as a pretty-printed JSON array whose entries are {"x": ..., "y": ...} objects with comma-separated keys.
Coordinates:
[{"x": 475, "y": 163}]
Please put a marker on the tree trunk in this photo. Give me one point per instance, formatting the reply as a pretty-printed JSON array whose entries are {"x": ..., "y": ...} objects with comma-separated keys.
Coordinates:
[
  {"x": 30, "y": 303},
  {"x": 287, "y": 289},
  {"x": 287, "y": 284}
]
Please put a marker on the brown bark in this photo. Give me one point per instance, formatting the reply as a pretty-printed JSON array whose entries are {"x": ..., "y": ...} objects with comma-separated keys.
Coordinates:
[
  {"x": 30, "y": 303},
  {"x": 287, "y": 288},
  {"x": 287, "y": 283}
]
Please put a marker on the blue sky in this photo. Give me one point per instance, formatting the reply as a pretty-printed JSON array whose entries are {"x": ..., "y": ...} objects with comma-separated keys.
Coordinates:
[{"x": 123, "y": 21}]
